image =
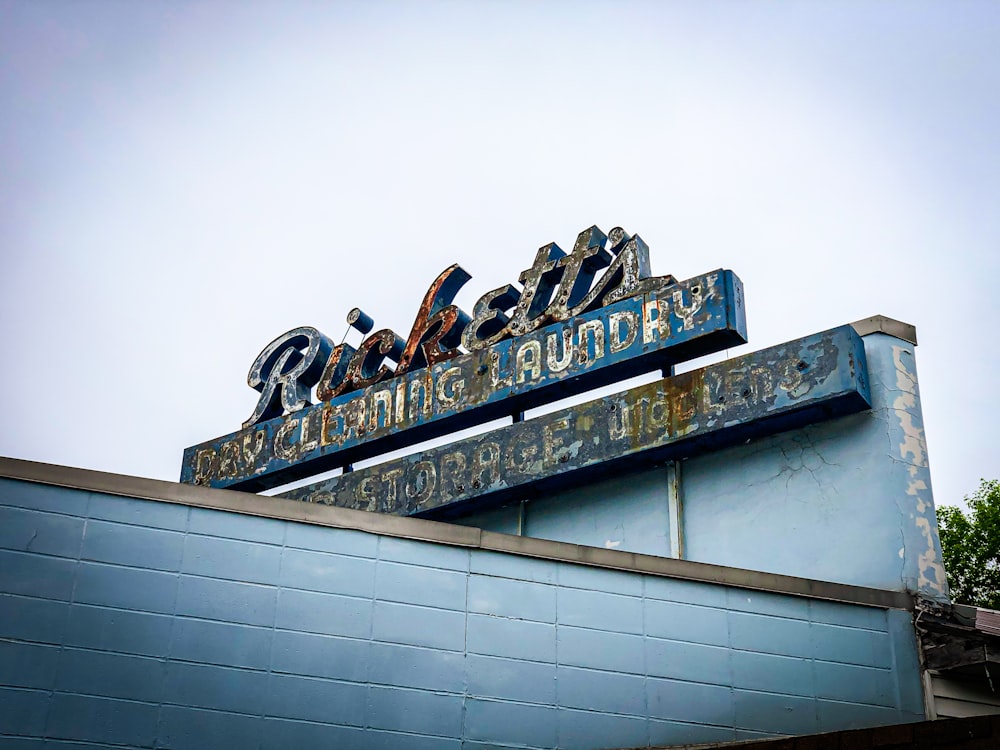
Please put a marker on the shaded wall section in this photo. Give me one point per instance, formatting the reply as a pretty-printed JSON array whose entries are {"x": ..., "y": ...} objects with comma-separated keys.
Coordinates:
[
  {"x": 127, "y": 621},
  {"x": 845, "y": 500}
]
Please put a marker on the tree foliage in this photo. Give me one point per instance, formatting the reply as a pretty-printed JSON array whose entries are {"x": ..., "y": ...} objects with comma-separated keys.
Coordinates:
[{"x": 971, "y": 546}]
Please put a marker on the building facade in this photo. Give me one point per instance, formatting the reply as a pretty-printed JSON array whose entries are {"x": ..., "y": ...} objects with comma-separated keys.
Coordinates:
[{"x": 744, "y": 563}]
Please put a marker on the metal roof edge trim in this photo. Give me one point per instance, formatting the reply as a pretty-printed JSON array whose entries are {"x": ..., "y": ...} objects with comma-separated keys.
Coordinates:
[
  {"x": 444, "y": 533},
  {"x": 886, "y": 325}
]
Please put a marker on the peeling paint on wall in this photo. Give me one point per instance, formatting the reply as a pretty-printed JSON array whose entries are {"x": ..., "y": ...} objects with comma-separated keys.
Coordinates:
[
  {"x": 849, "y": 500},
  {"x": 931, "y": 577}
]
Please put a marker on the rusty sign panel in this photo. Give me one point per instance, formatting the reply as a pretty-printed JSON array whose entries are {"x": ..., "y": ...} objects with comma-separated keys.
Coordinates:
[
  {"x": 786, "y": 386},
  {"x": 670, "y": 323}
]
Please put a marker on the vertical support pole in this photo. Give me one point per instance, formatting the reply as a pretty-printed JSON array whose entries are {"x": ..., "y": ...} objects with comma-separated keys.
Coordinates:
[
  {"x": 520, "y": 518},
  {"x": 675, "y": 510}
]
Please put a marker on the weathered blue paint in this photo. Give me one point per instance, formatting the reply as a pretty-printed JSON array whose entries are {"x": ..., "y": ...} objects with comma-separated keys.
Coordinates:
[
  {"x": 844, "y": 500},
  {"x": 308, "y": 637},
  {"x": 678, "y": 322},
  {"x": 814, "y": 378},
  {"x": 634, "y": 517},
  {"x": 848, "y": 500}
]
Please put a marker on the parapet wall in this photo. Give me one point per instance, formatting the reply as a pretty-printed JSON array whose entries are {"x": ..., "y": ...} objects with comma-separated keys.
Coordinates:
[{"x": 148, "y": 614}]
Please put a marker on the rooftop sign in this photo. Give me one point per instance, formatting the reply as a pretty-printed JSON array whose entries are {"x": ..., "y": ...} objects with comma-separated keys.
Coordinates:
[
  {"x": 580, "y": 320},
  {"x": 761, "y": 393}
]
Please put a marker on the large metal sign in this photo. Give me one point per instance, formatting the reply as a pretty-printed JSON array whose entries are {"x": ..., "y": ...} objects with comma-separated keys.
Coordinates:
[
  {"x": 786, "y": 386},
  {"x": 566, "y": 330}
]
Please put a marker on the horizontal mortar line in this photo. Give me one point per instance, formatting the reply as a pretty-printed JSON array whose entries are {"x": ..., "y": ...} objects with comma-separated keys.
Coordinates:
[
  {"x": 515, "y": 659},
  {"x": 82, "y": 515},
  {"x": 52, "y": 556},
  {"x": 57, "y": 742},
  {"x": 758, "y": 691},
  {"x": 443, "y": 533}
]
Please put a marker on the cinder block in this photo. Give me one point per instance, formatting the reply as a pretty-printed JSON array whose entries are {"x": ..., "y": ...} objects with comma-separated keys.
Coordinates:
[
  {"x": 689, "y": 701},
  {"x": 510, "y": 723},
  {"x": 231, "y": 559},
  {"x": 517, "y": 639},
  {"x": 126, "y": 588},
  {"x": 419, "y": 626},
  {"x": 588, "y": 730},
  {"x": 502, "y": 565},
  {"x": 326, "y": 539},
  {"x": 37, "y": 620},
  {"x": 110, "y": 675},
  {"x": 419, "y": 711},
  {"x": 834, "y": 715},
  {"x": 24, "y": 711},
  {"x": 26, "y": 665},
  {"x": 600, "y": 579},
  {"x": 37, "y": 575},
  {"x": 81, "y": 717},
  {"x": 315, "y": 699},
  {"x": 781, "y": 714},
  {"x": 688, "y": 661},
  {"x": 684, "y": 622},
  {"x": 18, "y": 494},
  {"x": 220, "y": 688},
  {"x": 600, "y": 611},
  {"x": 410, "y": 666},
  {"x": 773, "y": 674},
  {"x": 509, "y": 598},
  {"x": 118, "y": 630},
  {"x": 40, "y": 533},
  {"x": 230, "y": 645},
  {"x": 146, "y": 513},
  {"x": 328, "y": 614},
  {"x": 376, "y": 739},
  {"x": 427, "y": 587},
  {"x": 227, "y": 601},
  {"x": 685, "y": 592},
  {"x": 610, "y": 692},
  {"x": 394, "y": 549},
  {"x": 282, "y": 734},
  {"x": 599, "y": 649},
  {"x": 846, "y": 682},
  {"x": 767, "y": 603},
  {"x": 229, "y": 525},
  {"x": 847, "y": 615},
  {"x": 123, "y": 544},
  {"x": 184, "y": 728},
  {"x": 682, "y": 733},
  {"x": 772, "y": 635},
  {"x": 850, "y": 645},
  {"x": 905, "y": 661},
  {"x": 320, "y": 656},
  {"x": 36, "y": 743},
  {"x": 331, "y": 574},
  {"x": 511, "y": 679}
]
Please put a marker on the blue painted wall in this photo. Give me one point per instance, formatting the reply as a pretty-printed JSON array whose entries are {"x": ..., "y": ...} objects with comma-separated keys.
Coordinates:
[
  {"x": 848, "y": 500},
  {"x": 145, "y": 624}
]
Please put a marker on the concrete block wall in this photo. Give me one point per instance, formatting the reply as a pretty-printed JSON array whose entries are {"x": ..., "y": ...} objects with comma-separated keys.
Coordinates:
[{"x": 133, "y": 623}]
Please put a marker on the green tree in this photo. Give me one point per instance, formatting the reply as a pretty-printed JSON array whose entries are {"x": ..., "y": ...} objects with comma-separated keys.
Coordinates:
[{"x": 971, "y": 546}]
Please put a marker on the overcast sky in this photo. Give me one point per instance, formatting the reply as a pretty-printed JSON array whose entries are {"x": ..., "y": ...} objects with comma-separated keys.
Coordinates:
[{"x": 181, "y": 182}]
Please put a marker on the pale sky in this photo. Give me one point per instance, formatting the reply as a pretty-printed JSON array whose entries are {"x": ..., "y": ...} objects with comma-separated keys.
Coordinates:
[{"x": 182, "y": 182}]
